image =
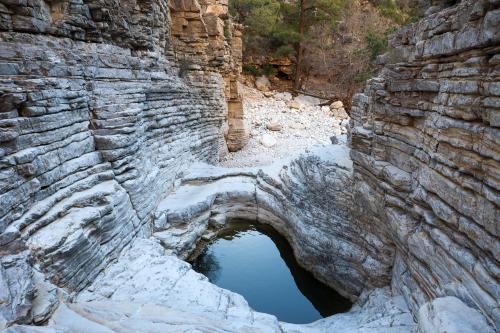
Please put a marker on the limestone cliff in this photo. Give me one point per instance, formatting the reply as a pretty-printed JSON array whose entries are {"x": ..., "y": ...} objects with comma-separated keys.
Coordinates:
[
  {"x": 102, "y": 105},
  {"x": 425, "y": 147}
]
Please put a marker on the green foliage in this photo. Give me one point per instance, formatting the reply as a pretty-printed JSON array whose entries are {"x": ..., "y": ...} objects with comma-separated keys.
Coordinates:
[
  {"x": 398, "y": 11},
  {"x": 271, "y": 26},
  {"x": 252, "y": 70},
  {"x": 268, "y": 70},
  {"x": 376, "y": 44},
  {"x": 326, "y": 11},
  {"x": 284, "y": 50},
  {"x": 259, "y": 16},
  {"x": 258, "y": 71}
]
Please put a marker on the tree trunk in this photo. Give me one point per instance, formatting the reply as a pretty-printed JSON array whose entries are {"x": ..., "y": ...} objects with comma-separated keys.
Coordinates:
[{"x": 300, "y": 48}]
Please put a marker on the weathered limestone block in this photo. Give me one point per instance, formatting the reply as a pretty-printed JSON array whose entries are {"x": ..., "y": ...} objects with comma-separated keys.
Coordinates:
[
  {"x": 17, "y": 289},
  {"x": 424, "y": 143},
  {"x": 449, "y": 314}
]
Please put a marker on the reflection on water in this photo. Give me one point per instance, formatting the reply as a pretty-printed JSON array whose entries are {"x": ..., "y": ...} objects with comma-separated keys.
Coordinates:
[{"x": 256, "y": 262}]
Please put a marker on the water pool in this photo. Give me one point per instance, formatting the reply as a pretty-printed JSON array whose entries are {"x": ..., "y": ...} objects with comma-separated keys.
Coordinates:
[{"x": 258, "y": 263}]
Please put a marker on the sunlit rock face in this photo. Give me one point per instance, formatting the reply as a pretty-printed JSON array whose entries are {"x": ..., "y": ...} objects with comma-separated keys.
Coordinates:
[{"x": 425, "y": 147}]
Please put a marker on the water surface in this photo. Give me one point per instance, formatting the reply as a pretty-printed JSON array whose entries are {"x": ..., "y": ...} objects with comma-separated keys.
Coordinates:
[{"x": 258, "y": 263}]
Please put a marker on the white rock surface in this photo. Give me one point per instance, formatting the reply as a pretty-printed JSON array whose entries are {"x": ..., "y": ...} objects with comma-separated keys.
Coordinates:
[
  {"x": 451, "y": 315},
  {"x": 145, "y": 274},
  {"x": 306, "y": 198},
  {"x": 147, "y": 290},
  {"x": 376, "y": 312},
  {"x": 267, "y": 140}
]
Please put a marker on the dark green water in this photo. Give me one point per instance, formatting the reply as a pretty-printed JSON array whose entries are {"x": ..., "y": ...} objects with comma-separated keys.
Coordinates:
[{"x": 256, "y": 262}]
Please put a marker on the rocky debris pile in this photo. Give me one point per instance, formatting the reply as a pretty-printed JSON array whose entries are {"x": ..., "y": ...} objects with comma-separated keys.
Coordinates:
[
  {"x": 280, "y": 125},
  {"x": 338, "y": 110}
]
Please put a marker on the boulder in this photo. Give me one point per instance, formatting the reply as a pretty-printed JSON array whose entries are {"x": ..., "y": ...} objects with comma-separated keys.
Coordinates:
[
  {"x": 274, "y": 126},
  {"x": 450, "y": 315},
  {"x": 286, "y": 96},
  {"x": 293, "y": 105},
  {"x": 336, "y": 105},
  {"x": 340, "y": 113},
  {"x": 268, "y": 140},
  {"x": 262, "y": 83}
]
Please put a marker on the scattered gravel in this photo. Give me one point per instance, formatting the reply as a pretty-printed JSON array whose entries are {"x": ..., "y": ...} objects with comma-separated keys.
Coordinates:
[{"x": 300, "y": 128}]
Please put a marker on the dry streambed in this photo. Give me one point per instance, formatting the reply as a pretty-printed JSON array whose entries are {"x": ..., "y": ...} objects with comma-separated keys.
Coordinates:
[{"x": 281, "y": 125}]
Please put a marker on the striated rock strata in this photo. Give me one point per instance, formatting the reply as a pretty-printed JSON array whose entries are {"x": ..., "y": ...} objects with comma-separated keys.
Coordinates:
[
  {"x": 425, "y": 146},
  {"x": 148, "y": 288},
  {"x": 307, "y": 200},
  {"x": 105, "y": 107},
  {"x": 100, "y": 108}
]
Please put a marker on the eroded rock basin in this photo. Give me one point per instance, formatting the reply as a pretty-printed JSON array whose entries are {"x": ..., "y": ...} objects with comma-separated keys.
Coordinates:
[{"x": 258, "y": 263}]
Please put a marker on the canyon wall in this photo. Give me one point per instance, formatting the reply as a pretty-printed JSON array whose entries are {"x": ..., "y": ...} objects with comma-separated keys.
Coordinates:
[
  {"x": 102, "y": 104},
  {"x": 105, "y": 106},
  {"x": 425, "y": 146}
]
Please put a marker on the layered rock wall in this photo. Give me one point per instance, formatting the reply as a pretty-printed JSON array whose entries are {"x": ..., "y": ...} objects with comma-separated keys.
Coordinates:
[
  {"x": 425, "y": 146},
  {"x": 104, "y": 107},
  {"x": 99, "y": 113},
  {"x": 205, "y": 37}
]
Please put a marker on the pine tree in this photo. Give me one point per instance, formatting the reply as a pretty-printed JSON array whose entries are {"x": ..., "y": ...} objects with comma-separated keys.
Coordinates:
[{"x": 284, "y": 27}]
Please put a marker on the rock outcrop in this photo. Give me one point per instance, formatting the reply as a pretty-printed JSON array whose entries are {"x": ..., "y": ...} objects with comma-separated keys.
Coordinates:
[
  {"x": 307, "y": 200},
  {"x": 148, "y": 288},
  {"x": 425, "y": 146},
  {"x": 205, "y": 37},
  {"x": 101, "y": 107}
]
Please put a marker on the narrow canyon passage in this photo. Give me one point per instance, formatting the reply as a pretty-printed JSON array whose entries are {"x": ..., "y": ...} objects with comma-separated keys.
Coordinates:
[
  {"x": 128, "y": 134},
  {"x": 257, "y": 262}
]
